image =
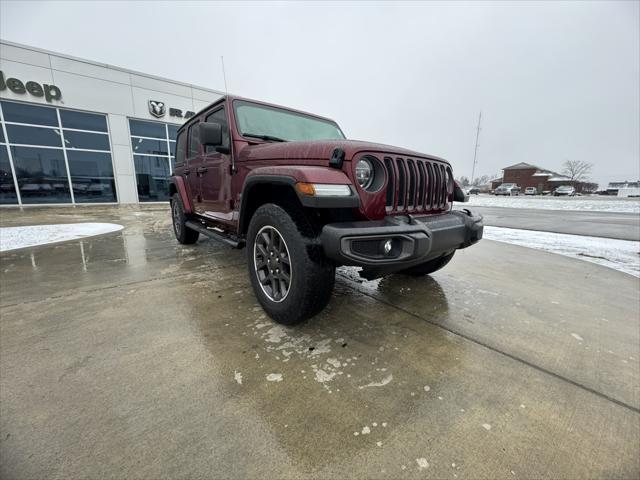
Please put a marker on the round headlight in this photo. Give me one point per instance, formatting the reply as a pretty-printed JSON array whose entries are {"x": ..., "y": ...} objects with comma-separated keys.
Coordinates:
[{"x": 364, "y": 173}]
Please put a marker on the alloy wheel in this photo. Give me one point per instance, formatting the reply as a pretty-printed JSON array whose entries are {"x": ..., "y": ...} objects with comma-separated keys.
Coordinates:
[
  {"x": 272, "y": 263},
  {"x": 177, "y": 225}
]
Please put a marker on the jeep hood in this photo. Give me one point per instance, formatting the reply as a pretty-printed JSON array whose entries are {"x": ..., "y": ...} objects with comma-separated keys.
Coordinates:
[{"x": 322, "y": 150}]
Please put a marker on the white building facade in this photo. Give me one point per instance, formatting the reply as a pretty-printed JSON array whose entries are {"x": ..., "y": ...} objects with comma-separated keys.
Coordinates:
[{"x": 74, "y": 131}]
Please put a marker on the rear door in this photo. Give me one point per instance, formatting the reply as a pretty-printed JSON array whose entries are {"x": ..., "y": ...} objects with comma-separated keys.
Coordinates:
[
  {"x": 193, "y": 166},
  {"x": 215, "y": 177}
]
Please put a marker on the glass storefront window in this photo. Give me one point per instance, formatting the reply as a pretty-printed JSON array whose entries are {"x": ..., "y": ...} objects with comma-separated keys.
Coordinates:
[
  {"x": 83, "y": 121},
  {"x": 173, "y": 132},
  {"x": 152, "y": 176},
  {"x": 47, "y": 169},
  {"x": 33, "y": 114},
  {"x": 20, "y": 134},
  {"x": 153, "y": 145},
  {"x": 7, "y": 187},
  {"x": 86, "y": 140},
  {"x": 149, "y": 147},
  {"x": 139, "y": 128},
  {"x": 41, "y": 174},
  {"x": 92, "y": 176}
]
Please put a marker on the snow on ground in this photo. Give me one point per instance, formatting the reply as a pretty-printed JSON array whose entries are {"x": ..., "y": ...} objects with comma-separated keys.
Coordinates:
[
  {"x": 589, "y": 204},
  {"x": 622, "y": 255},
  {"x": 12, "y": 238}
]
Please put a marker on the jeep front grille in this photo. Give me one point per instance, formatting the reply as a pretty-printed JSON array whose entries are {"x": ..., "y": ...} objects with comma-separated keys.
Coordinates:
[{"x": 416, "y": 185}]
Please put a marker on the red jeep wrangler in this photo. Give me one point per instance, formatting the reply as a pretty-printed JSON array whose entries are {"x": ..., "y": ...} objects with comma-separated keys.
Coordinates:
[{"x": 305, "y": 200}]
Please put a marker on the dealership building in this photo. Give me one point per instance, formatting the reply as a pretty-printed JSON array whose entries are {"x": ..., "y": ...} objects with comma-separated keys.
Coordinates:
[{"x": 75, "y": 131}]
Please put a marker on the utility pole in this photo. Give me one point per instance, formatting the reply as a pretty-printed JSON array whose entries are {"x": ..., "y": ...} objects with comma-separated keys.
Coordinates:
[{"x": 475, "y": 152}]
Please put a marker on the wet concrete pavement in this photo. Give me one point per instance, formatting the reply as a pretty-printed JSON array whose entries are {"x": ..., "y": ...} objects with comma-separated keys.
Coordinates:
[{"x": 128, "y": 355}]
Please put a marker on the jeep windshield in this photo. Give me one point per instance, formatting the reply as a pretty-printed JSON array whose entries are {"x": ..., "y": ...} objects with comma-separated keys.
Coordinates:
[{"x": 280, "y": 125}]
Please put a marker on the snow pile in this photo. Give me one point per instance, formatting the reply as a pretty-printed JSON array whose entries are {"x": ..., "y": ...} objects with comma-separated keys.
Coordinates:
[
  {"x": 12, "y": 238},
  {"x": 588, "y": 204},
  {"x": 622, "y": 255}
]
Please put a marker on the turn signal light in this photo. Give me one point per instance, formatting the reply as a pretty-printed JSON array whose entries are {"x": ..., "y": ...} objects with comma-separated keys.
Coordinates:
[{"x": 306, "y": 188}]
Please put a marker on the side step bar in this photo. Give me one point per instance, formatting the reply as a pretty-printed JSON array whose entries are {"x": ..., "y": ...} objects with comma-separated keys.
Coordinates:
[{"x": 215, "y": 233}]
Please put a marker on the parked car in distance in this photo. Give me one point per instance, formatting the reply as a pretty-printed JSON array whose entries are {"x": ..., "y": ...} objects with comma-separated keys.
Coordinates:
[
  {"x": 507, "y": 189},
  {"x": 564, "y": 190},
  {"x": 473, "y": 191},
  {"x": 531, "y": 191},
  {"x": 303, "y": 199}
]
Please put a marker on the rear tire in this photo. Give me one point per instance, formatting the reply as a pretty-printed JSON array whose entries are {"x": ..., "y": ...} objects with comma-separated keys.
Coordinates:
[
  {"x": 428, "y": 267},
  {"x": 290, "y": 275},
  {"x": 183, "y": 234}
]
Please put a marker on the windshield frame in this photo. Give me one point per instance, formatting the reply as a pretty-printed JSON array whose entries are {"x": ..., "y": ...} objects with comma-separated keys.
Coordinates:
[{"x": 237, "y": 101}]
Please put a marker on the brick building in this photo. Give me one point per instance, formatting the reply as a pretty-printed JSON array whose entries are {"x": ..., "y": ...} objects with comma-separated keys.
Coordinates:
[{"x": 527, "y": 175}]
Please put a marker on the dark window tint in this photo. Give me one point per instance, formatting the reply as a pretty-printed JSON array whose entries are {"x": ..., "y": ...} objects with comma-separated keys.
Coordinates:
[
  {"x": 1, "y": 134},
  {"x": 194, "y": 140},
  {"x": 92, "y": 176},
  {"x": 219, "y": 116},
  {"x": 7, "y": 188},
  {"x": 152, "y": 177},
  {"x": 34, "y": 135},
  {"x": 83, "y": 121},
  {"x": 21, "y": 113},
  {"x": 42, "y": 176},
  {"x": 147, "y": 129},
  {"x": 173, "y": 131},
  {"x": 92, "y": 141},
  {"x": 149, "y": 147},
  {"x": 182, "y": 141},
  {"x": 172, "y": 148}
]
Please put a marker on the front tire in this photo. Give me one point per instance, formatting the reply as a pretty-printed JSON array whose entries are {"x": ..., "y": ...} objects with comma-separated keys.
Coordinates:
[
  {"x": 290, "y": 275},
  {"x": 183, "y": 234},
  {"x": 428, "y": 267}
]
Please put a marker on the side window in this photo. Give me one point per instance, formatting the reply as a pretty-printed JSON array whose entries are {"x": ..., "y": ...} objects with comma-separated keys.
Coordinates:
[
  {"x": 194, "y": 140},
  {"x": 181, "y": 143},
  {"x": 220, "y": 116}
]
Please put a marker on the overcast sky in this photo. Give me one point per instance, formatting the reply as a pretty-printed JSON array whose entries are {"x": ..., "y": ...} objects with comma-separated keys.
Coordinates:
[{"x": 554, "y": 81}]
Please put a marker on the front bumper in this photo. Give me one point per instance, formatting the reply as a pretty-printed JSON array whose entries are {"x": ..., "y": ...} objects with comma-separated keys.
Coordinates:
[{"x": 414, "y": 240}]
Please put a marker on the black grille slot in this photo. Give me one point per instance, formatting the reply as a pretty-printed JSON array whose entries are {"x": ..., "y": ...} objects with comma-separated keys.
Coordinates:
[
  {"x": 391, "y": 182},
  {"x": 421, "y": 186},
  {"x": 429, "y": 201},
  {"x": 412, "y": 184},
  {"x": 402, "y": 184}
]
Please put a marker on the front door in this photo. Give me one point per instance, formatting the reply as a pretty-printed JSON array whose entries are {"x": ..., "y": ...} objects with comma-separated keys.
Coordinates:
[
  {"x": 193, "y": 169},
  {"x": 215, "y": 177}
]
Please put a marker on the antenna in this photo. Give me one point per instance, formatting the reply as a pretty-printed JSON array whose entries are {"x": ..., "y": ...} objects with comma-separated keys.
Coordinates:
[
  {"x": 475, "y": 152},
  {"x": 224, "y": 75}
]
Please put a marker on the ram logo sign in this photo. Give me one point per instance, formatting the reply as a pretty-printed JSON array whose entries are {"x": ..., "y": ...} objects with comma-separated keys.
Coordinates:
[{"x": 156, "y": 108}]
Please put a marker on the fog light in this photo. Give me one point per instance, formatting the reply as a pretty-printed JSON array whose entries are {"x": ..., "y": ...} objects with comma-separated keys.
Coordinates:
[{"x": 388, "y": 245}]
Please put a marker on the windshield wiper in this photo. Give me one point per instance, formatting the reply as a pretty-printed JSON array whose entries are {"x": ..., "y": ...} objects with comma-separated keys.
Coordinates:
[{"x": 264, "y": 137}]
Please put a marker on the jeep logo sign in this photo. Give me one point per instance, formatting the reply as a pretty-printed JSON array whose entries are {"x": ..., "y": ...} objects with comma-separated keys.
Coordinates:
[
  {"x": 156, "y": 108},
  {"x": 49, "y": 92}
]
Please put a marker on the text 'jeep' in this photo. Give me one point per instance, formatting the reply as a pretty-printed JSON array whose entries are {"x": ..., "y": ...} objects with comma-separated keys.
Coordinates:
[{"x": 304, "y": 199}]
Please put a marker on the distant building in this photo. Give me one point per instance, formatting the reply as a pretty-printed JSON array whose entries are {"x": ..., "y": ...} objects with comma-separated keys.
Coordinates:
[
  {"x": 527, "y": 175},
  {"x": 624, "y": 189}
]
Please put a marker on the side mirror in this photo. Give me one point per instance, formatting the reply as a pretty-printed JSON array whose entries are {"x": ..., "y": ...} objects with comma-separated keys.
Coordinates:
[
  {"x": 459, "y": 194},
  {"x": 210, "y": 134}
]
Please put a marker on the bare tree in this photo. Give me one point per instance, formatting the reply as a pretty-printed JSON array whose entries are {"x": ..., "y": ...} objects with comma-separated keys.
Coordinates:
[
  {"x": 577, "y": 170},
  {"x": 482, "y": 180},
  {"x": 463, "y": 181}
]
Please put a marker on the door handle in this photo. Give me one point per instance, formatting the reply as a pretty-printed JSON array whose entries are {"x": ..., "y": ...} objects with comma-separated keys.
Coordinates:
[
  {"x": 202, "y": 169},
  {"x": 186, "y": 172}
]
